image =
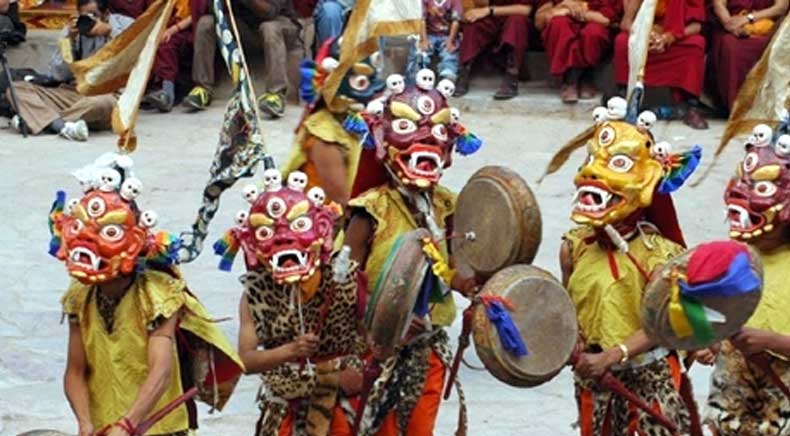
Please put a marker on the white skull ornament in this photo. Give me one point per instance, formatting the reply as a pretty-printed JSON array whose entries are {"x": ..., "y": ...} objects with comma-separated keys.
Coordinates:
[
  {"x": 455, "y": 116},
  {"x": 600, "y": 114},
  {"x": 272, "y": 180},
  {"x": 316, "y": 195},
  {"x": 297, "y": 181},
  {"x": 71, "y": 205},
  {"x": 425, "y": 79},
  {"x": 250, "y": 193},
  {"x": 329, "y": 64},
  {"x": 783, "y": 145},
  {"x": 762, "y": 135},
  {"x": 131, "y": 188},
  {"x": 148, "y": 219},
  {"x": 375, "y": 107},
  {"x": 617, "y": 107},
  {"x": 646, "y": 120},
  {"x": 446, "y": 87},
  {"x": 396, "y": 83},
  {"x": 109, "y": 180},
  {"x": 661, "y": 150},
  {"x": 241, "y": 217}
]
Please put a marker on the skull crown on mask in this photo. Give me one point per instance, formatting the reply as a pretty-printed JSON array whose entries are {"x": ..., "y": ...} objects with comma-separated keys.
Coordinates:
[
  {"x": 288, "y": 232},
  {"x": 758, "y": 197}
]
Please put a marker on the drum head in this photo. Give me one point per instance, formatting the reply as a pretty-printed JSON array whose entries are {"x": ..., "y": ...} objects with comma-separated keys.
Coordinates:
[
  {"x": 655, "y": 307},
  {"x": 545, "y": 318},
  {"x": 390, "y": 308},
  {"x": 498, "y": 208}
]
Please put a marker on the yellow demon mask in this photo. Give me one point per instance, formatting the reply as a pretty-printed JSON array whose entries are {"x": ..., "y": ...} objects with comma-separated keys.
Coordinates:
[{"x": 624, "y": 168}]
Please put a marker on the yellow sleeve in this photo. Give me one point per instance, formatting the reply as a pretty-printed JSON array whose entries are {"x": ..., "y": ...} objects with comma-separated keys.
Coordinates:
[
  {"x": 75, "y": 298},
  {"x": 161, "y": 295}
]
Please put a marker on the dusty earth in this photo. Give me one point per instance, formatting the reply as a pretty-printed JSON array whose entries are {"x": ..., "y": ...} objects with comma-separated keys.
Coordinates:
[{"x": 174, "y": 155}]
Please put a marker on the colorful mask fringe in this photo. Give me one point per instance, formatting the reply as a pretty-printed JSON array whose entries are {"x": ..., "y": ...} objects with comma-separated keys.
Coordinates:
[
  {"x": 497, "y": 310},
  {"x": 355, "y": 124},
  {"x": 310, "y": 81},
  {"x": 716, "y": 269},
  {"x": 467, "y": 142},
  {"x": 678, "y": 168},
  {"x": 227, "y": 247},
  {"x": 55, "y": 213},
  {"x": 163, "y": 252}
]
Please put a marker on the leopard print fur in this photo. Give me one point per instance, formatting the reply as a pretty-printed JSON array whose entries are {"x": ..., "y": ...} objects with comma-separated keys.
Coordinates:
[
  {"x": 401, "y": 383},
  {"x": 653, "y": 383},
  {"x": 743, "y": 400},
  {"x": 309, "y": 394}
]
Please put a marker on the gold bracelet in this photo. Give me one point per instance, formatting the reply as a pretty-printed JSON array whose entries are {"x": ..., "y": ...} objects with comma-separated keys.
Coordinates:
[{"x": 624, "y": 350}]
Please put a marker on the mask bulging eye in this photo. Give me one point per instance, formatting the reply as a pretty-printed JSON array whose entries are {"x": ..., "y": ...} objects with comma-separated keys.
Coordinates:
[
  {"x": 750, "y": 162},
  {"x": 765, "y": 189},
  {"x": 402, "y": 126},
  {"x": 263, "y": 233},
  {"x": 77, "y": 226},
  {"x": 112, "y": 232},
  {"x": 439, "y": 132},
  {"x": 606, "y": 136},
  {"x": 360, "y": 82},
  {"x": 302, "y": 224},
  {"x": 96, "y": 207},
  {"x": 621, "y": 163}
]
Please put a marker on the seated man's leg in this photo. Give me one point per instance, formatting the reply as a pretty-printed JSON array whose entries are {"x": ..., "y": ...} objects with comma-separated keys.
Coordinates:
[
  {"x": 563, "y": 46},
  {"x": 512, "y": 41},
  {"x": 166, "y": 70},
  {"x": 596, "y": 41},
  {"x": 205, "y": 48},
  {"x": 95, "y": 110},
  {"x": 329, "y": 18},
  {"x": 478, "y": 37},
  {"x": 620, "y": 60},
  {"x": 448, "y": 60},
  {"x": 275, "y": 70},
  {"x": 36, "y": 107}
]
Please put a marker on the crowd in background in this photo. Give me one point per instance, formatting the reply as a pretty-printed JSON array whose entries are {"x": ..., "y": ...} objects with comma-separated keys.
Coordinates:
[{"x": 696, "y": 46}]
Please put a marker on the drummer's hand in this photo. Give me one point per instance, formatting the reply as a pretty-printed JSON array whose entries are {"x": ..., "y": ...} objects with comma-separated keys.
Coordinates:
[
  {"x": 86, "y": 429},
  {"x": 304, "y": 346},
  {"x": 751, "y": 341},
  {"x": 350, "y": 381},
  {"x": 466, "y": 286},
  {"x": 707, "y": 356},
  {"x": 594, "y": 366}
]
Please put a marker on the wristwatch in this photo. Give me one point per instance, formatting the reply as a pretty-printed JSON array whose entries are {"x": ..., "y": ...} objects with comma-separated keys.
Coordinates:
[{"x": 750, "y": 17}]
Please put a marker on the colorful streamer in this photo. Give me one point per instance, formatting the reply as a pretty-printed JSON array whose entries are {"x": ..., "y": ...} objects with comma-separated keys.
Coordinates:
[
  {"x": 497, "y": 310},
  {"x": 227, "y": 247},
  {"x": 678, "y": 169},
  {"x": 55, "y": 213}
]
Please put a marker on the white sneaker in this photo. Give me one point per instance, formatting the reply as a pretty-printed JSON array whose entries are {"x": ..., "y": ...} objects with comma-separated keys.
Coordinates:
[
  {"x": 15, "y": 123},
  {"x": 75, "y": 131}
]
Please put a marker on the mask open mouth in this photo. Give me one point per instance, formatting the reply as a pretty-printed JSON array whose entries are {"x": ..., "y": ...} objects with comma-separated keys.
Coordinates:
[
  {"x": 291, "y": 263},
  {"x": 746, "y": 224},
  {"x": 86, "y": 260},
  {"x": 594, "y": 200},
  {"x": 420, "y": 164}
]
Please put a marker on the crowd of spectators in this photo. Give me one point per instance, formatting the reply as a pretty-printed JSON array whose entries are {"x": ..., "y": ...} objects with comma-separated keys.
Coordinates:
[{"x": 695, "y": 46}]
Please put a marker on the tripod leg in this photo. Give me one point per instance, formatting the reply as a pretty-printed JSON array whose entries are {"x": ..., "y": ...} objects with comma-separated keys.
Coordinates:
[{"x": 14, "y": 100}]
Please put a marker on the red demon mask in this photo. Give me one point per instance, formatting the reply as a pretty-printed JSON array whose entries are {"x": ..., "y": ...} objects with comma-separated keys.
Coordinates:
[
  {"x": 758, "y": 197},
  {"x": 101, "y": 237},
  {"x": 287, "y": 232},
  {"x": 415, "y": 135}
]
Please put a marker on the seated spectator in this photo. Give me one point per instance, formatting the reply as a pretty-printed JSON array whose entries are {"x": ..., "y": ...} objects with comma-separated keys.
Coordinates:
[
  {"x": 503, "y": 25},
  {"x": 330, "y": 17},
  {"x": 743, "y": 30},
  {"x": 60, "y": 109},
  {"x": 439, "y": 37},
  {"x": 176, "y": 43},
  {"x": 281, "y": 29},
  {"x": 577, "y": 36},
  {"x": 12, "y": 30},
  {"x": 676, "y": 56}
]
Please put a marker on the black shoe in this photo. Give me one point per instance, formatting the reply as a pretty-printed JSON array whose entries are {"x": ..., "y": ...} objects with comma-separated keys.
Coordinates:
[
  {"x": 462, "y": 84},
  {"x": 508, "y": 89},
  {"x": 159, "y": 100}
]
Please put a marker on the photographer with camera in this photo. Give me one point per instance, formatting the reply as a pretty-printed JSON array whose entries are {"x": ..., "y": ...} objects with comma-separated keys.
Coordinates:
[
  {"x": 54, "y": 105},
  {"x": 12, "y": 30}
]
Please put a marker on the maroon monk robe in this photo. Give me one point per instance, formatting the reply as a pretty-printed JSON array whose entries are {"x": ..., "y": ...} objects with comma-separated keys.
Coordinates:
[
  {"x": 509, "y": 31},
  {"x": 731, "y": 58},
  {"x": 682, "y": 66},
  {"x": 573, "y": 44}
]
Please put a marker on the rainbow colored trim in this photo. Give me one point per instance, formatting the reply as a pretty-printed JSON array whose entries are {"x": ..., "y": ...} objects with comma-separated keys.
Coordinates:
[
  {"x": 467, "y": 142},
  {"x": 55, "y": 214},
  {"x": 678, "y": 169},
  {"x": 227, "y": 247}
]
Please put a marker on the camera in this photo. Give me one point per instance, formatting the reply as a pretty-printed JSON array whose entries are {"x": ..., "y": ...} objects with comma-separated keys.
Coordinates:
[
  {"x": 10, "y": 37},
  {"x": 85, "y": 24}
]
